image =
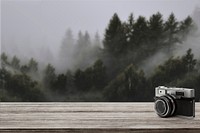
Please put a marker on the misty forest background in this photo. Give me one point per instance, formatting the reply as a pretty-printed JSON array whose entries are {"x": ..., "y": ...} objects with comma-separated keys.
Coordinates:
[{"x": 134, "y": 57}]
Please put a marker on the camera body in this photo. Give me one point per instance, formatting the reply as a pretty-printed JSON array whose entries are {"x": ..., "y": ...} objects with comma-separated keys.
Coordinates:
[{"x": 171, "y": 101}]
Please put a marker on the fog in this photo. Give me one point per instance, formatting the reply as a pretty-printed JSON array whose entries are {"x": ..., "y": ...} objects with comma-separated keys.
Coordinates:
[
  {"x": 38, "y": 28},
  {"x": 192, "y": 41}
]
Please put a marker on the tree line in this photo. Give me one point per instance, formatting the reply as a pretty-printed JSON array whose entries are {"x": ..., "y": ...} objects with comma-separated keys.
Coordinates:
[{"x": 110, "y": 72}]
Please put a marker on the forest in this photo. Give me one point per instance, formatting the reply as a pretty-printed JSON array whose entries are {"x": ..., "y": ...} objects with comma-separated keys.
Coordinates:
[{"x": 126, "y": 65}]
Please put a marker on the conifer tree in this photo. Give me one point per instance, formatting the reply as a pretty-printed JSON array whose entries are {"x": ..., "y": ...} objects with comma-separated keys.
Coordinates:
[
  {"x": 186, "y": 27},
  {"x": 171, "y": 31},
  {"x": 97, "y": 40},
  {"x": 4, "y": 60},
  {"x": 15, "y": 63},
  {"x": 140, "y": 31},
  {"x": 66, "y": 50},
  {"x": 156, "y": 34},
  {"x": 129, "y": 31},
  {"x": 115, "y": 38},
  {"x": 33, "y": 65},
  {"x": 49, "y": 76}
]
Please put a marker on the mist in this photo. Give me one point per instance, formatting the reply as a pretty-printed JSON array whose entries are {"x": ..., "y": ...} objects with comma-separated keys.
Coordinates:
[
  {"x": 191, "y": 42},
  {"x": 38, "y": 28},
  {"x": 75, "y": 51}
]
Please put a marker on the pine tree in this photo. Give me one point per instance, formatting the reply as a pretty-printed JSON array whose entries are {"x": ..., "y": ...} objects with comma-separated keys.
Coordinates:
[
  {"x": 97, "y": 40},
  {"x": 139, "y": 40},
  {"x": 156, "y": 28},
  {"x": 80, "y": 38},
  {"x": 24, "y": 69},
  {"x": 83, "y": 51},
  {"x": 60, "y": 84},
  {"x": 171, "y": 30},
  {"x": 4, "y": 60},
  {"x": 115, "y": 38},
  {"x": 87, "y": 41},
  {"x": 67, "y": 41},
  {"x": 140, "y": 32},
  {"x": 127, "y": 86},
  {"x": 66, "y": 50},
  {"x": 188, "y": 60},
  {"x": 129, "y": 31},
  {"x": 69, "y": 81},
  {"x": 49, "y": 76},
  {"x": 173, "y": 69},
  {"x": 33, "y": 66},
  {"x": 79, "y": 80},
  {"x": 99, "y": 74},
  {"x": 15, "y": 63},
  {"x": 186, "y": 27}
]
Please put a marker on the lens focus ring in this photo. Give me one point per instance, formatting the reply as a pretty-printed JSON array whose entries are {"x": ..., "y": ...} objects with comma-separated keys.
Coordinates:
[
  {"x": 160, "y": 106},
  {"x": 163, "y": 106}
]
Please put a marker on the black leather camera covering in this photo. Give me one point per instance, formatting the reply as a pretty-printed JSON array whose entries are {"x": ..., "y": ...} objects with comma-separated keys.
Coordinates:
[{"x": 185, "y": 107}]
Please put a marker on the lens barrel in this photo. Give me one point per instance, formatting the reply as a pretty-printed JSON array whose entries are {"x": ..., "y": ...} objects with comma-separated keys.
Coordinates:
[{"x": 165, "y": 105}]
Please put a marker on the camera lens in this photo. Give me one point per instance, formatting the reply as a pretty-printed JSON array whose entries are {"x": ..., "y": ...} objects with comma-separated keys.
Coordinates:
[
  {"x": 160, "y": 106},
  {"x": 165, "y": 106}
]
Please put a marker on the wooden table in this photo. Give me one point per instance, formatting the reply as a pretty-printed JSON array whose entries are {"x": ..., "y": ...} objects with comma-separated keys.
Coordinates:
[{"x": 92, "y": 117}]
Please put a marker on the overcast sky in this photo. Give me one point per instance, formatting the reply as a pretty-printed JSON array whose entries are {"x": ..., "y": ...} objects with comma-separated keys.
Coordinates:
[{"x": 44, "y": 22}]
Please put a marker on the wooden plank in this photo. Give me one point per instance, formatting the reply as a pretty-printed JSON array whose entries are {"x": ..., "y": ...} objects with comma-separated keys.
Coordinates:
[{"x": 91, "y": 117}]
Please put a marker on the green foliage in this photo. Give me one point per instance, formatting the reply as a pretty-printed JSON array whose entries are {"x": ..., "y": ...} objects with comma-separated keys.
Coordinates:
[
  {"x": 24, "y": 69},
  {"x": 115, "y": 39},
  {"x": 189, "y": 80},
  {"x": 141, "y": 30},
  {"x": 4, "y": 77},
  {"x": 188, "y": 60},
  {"x": 79, "y": 80},
  {"x": 67, "y": 43},
  {"x": 85, "y": 53},
  {"x": 171, "y": 30},
  {"x": 60, "y": 83},
  {"x": 156, "y": 25},
  {"x": 15, "y": 63},
  {"x": 92, "y": 78},
  {"x": 186, "y": 27},
  {"x": 126, "y": 86},
  {"x": 33, "y": 65},
  {"x": 99, "y": 74},
  {"x": 129, "y": 29},
  {"x": 19, "y": 87},
  {"x": 30, "y": 68},
  {"x": 69, "y": 79},
  {"x": 49, "y": 76},
  {"x": 4, "y": 59},
  {"x": 173, "y": 68},
  {"x": 112, "y": 75},
  {"x": 156, "y": 31}
]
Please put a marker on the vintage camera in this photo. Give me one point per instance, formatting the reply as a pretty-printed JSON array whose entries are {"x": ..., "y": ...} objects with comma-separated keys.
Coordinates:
[{"x": 170, "y": 101}]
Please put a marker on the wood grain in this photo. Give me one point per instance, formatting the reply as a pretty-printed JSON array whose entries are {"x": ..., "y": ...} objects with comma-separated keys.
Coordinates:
[{"x": 91, "y": 117}]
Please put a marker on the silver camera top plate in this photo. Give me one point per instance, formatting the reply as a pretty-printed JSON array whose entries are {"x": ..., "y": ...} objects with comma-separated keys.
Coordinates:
[{"x": 183, "y": 92}]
